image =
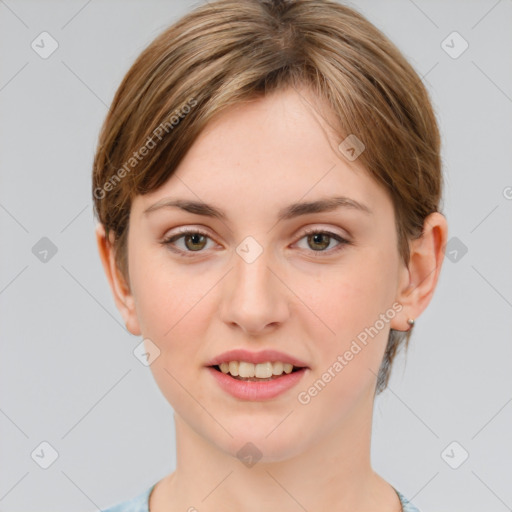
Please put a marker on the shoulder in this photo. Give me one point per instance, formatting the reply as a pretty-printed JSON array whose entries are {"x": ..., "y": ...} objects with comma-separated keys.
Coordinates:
[
  {"x": 137, "y": 504},
  {"x": 407, "y": 506}
]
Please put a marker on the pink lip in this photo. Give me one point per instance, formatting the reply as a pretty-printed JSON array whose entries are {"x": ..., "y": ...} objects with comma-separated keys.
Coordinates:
[
  {"x": 255, "y": 391},
  {"x": 255, "y": 357}
]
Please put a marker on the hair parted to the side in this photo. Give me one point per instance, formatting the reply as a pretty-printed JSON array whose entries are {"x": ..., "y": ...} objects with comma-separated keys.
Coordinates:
[{"x": 231, "y": 51}]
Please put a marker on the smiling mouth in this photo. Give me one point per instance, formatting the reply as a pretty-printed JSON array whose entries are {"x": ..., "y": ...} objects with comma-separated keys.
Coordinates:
[{"x": 257, "y": 379}]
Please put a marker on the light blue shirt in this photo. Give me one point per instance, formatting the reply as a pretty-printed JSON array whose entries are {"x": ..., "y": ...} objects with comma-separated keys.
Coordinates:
[{"x": 141, "y": 503}]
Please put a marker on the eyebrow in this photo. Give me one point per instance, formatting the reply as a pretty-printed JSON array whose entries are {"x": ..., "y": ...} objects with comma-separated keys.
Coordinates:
[{"x": 289, "y": 212}]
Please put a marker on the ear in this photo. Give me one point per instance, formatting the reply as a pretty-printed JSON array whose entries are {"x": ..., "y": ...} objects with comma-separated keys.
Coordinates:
[
  {"x": 418, "y": 282},
  {"x": 120, "y": 289}
]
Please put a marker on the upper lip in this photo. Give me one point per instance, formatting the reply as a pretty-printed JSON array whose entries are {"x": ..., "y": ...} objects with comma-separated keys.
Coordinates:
[{"x": 262, "y": 356}]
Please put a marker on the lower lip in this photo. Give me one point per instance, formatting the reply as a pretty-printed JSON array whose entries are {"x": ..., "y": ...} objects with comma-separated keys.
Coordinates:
[{"x": 264, "y": 390}]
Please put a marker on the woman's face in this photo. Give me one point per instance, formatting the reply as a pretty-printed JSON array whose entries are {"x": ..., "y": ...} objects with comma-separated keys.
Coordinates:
[{"x": 257, "y": 282}]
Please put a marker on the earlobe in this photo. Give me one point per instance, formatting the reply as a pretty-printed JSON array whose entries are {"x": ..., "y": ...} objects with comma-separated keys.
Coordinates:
[
  {"x": 419, "y": 281},
  {"x": 120, "y": 289}
]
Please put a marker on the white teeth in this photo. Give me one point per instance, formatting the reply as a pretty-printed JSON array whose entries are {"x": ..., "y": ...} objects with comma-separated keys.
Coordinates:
[
  {"x": 277, "y": 368},
  {"x": 233, "y": 368},
  {"x": 261, "y": 370},
  {"x": 246, "y": 369}
]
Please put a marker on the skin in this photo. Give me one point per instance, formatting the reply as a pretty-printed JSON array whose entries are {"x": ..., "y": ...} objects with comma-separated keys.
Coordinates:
[{"x": 300, "y": 296}]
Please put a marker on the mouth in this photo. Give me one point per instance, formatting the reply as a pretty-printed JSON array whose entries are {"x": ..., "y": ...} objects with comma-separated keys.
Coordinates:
[
  {"x": 256, "y": 382},
  {"x": 258, "y": 379}
]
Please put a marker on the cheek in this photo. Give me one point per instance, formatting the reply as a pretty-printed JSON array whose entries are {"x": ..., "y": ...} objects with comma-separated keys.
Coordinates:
[
  {"x": 163, "y": 292},
  {"x": 353, "y": 307},
  {"x": 352, "y": 294},
  {"x": 175, "y": 304},
  {"x": 171, "y": 310}
]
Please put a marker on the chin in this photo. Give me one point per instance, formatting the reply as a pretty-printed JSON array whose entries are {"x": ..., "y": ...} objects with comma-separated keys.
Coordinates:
[{"x": 260, "y": 446}]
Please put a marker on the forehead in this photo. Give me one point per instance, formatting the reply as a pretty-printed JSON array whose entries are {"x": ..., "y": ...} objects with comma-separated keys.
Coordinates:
[{"x": 269, "y": 151}]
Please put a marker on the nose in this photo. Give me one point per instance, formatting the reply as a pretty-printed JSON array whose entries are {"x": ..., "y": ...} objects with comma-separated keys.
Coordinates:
[{"x": 254, "y": 298}]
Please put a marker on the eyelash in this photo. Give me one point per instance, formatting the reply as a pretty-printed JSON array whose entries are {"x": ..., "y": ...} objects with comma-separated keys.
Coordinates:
[{"x": 186, "y": 254}]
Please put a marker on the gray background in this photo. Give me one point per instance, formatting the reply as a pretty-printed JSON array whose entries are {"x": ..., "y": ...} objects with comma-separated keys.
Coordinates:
[{"x": 68, "y": 373}]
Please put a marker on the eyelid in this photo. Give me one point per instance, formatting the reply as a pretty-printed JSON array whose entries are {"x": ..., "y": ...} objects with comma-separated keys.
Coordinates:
[
  {"x": 326, "y": 230},
  {"x": 188, "y": 230}
]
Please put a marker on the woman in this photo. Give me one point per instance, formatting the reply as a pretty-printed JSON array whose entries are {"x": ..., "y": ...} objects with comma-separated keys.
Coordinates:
[{"x": 267, "y": 184}]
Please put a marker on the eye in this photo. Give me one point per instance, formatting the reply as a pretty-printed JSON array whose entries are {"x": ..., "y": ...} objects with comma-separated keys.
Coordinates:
[
  {"x": 193, "y": 239},
  {"x": 196, "y": 240},
  {"x": 320, "y": 239}
]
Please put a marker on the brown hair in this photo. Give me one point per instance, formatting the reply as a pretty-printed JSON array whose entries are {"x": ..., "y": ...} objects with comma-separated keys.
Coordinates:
[{"x": 230, "y": 51}]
